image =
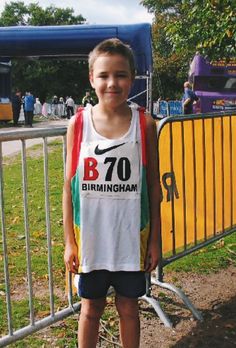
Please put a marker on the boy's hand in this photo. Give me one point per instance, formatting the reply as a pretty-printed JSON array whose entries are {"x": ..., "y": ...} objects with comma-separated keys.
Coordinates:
[
  {"x": 71, "y": 257},
  {"x": 152, "y": 257}
]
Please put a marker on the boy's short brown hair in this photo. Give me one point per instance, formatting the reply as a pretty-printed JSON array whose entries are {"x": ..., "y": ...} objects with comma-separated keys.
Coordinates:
[{"x": 110, "y": 47}]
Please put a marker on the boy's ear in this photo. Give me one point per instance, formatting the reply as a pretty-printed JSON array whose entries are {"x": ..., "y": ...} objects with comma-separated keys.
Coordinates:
[{"x": 91, "y": 79}]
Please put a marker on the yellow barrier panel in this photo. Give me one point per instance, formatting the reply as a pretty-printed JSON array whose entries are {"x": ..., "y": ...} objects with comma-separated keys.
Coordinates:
[
  {"x": 6, "y": 112},
  {"x": 198, "y": 176}
]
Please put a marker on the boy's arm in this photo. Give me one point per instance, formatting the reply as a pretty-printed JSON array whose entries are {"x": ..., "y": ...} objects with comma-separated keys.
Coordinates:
[
  {"x": 71, "y": 249},
  {"x": 153, "y": 183}
]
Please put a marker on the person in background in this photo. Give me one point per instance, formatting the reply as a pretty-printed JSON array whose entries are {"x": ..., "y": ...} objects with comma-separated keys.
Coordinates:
[
  {"x": 61, "y": 107},
  {"x": 55, "y": 105},
  {"x": 70, "y": 107},
  {"x": 189, "y": 98},
  {"x": 29, "y": 102},
  {"x": 87, "y": 99},
  {"x": 111, "y": 238},
  {"x": 16, "y": 107},
  {"x": 37, "y": 107}
]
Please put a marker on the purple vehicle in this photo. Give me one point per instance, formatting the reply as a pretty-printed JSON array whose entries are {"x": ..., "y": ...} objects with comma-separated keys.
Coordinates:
[{"x": 214, "y": 83}]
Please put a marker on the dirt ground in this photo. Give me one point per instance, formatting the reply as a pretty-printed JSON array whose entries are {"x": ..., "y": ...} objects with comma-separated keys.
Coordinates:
[{"x": 213, "y": 294}]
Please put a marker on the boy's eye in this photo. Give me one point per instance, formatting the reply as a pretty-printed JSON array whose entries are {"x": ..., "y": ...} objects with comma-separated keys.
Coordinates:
[
  {"x": 121, "y": 75},
  {"x": 117, "y": 75}
]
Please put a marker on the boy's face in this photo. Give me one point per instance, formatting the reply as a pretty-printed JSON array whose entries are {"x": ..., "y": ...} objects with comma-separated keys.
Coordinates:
[{"x": 111, "y": 78}]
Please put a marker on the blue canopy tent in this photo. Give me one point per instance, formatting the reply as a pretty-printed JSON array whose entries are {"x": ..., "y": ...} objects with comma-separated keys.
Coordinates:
[{"x": 78, "y": 41}]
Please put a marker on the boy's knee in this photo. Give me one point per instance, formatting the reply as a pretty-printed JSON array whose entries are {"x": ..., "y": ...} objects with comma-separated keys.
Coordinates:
[
  {"x": 127, "y": 307},
  {"x": 92, "y": 309}
]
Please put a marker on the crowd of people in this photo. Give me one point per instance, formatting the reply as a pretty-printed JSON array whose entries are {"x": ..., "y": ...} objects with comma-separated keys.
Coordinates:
[
  {"x": 66, "y": 107},
  {"x": 28, "y": 102},
  {"x": 60, "y": 107}
]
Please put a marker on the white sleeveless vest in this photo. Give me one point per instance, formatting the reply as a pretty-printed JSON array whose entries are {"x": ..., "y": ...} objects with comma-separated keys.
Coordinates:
[{"x": 109, "y": 193}]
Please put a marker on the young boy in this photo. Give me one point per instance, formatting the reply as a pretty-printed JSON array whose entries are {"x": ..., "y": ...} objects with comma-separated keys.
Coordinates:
[{"x": 111, "y": 196}]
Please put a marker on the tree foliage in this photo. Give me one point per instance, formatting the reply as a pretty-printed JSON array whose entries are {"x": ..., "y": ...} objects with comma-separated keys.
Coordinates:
[
  {"x": 48, "y": 77},
  {"x": 17, "y": 13},
  {"x": 208, "y": 27},
  {"x": 170, "y": 68},
  {"x": 42, "y": 77},
  {"x": 183, "y": 27}
]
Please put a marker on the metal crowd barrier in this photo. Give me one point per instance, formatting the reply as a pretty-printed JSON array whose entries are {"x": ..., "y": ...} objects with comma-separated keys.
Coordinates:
[
  {"x": 44, "y": 135},
  {"x": 197, "y": 164},
  {"x": 165, "y": 108}
]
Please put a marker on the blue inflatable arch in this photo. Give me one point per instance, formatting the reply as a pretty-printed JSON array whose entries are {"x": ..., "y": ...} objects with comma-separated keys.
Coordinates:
[{"x": 78, "y": 41}]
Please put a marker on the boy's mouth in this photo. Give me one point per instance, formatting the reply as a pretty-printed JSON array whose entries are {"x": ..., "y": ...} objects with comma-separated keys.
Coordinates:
[{"x": 112, "y": 92}]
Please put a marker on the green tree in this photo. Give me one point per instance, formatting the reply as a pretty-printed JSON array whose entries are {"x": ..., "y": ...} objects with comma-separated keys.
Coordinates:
[
  {"x": 170, "y": 68},
  {"x": 208, "y": 26},
  {"x": 17, "y": 13},
  {"x": 183, "y": 27},
  {"x": 44, "y": 77},
  {"x": 14, "y": 13}
]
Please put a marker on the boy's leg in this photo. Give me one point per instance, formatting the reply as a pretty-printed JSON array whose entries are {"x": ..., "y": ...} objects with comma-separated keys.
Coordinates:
[
  {"x": 91, "y": 311},
  {"x": 129, "y": 321}
]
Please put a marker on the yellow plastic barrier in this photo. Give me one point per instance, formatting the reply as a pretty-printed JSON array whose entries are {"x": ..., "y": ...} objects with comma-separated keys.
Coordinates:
[
  {"x": 198, "y": 176},
  {"x": 6, "y": 112}
]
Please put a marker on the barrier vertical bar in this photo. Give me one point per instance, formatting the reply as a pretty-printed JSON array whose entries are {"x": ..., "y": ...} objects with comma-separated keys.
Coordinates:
[
  {"x": 213, "y": 175},
  {"x": 183, "y": 181},
  {"x": 27, "y": 237},
  {"x": 64, "y": 156},
  {"x": 172, "y": 195},
  {"x": 204, "y": 176},
  {"x": 5, "y": 253},
  {"x": 231, "y": 169},
  {"x": 194, "y": 183},
  {"x": 159, "y": 270},
  {"x": 222, "y": 171},
  {"x": 149, "y": 92},
  {"x": 48, "y": 225}
]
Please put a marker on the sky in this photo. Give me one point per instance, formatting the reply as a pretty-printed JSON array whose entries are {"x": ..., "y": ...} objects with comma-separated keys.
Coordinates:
[{"x": 100, "y": 11}]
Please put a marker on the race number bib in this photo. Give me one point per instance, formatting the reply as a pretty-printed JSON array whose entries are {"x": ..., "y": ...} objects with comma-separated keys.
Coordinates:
[{"x": 110, "y": 168}]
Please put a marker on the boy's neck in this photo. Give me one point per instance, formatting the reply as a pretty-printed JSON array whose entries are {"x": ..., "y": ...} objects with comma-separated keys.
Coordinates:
[
  {"x": 111, "y": 123},
  {"x": 111, "y": 112}
]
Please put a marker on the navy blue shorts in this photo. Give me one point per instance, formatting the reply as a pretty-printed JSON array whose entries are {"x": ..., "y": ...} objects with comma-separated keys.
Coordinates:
[{"x": 95, "y": 284}]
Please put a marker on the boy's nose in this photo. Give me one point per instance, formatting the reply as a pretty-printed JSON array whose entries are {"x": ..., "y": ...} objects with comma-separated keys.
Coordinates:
[{"x": 111, "y": 82}]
